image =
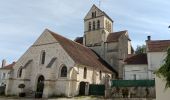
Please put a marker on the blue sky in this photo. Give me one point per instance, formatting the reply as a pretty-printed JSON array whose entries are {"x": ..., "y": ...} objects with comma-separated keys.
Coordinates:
[{"x": 23, "y": 21}]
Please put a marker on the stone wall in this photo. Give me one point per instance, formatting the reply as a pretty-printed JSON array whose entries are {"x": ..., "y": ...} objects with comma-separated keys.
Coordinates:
[{"x": 133, "y": 92}]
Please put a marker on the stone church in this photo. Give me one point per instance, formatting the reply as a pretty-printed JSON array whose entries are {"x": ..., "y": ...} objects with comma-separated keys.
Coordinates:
[{"x": 55, "y": 65}]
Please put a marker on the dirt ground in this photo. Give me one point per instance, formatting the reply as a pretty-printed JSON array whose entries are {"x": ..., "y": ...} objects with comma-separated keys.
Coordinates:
[{"x": 74, "y": 98}]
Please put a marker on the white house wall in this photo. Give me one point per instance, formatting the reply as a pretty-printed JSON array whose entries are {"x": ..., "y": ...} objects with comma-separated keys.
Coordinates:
[
  {"x": 139, "y": 70},
  {"x": 161, "y": 92},
  {"x": 155, "y": 60}
]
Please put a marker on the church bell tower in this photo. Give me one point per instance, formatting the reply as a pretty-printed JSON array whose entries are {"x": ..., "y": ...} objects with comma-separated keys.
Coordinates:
[{"x": 97, "y": 26}]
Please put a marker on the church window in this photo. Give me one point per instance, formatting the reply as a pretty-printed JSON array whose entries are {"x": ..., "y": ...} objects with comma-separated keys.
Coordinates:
[
  {"x": 89, "y": 26},
  {"x": 106, "y": 25},
  {"x": 85, "y": 73},
  {"x": 94, "y": 25},
  {"x": 98, "y": 24},
  {"x": 64, "y": 71},
  {"x": 100, "y": 76},
  {"x": 93, "y": 14},
  {"x": 19, "y": 72},
  {"x": 43, "y": 54},
  {"x": 109, "y": 27}
]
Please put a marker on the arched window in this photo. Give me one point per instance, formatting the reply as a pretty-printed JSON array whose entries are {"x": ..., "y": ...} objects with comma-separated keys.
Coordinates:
[
  {"x": 100, "y": 76},
  {"x": 43, "y": 54},
  {"x": 19, "y": 74},
  {"x": 93, "y": 14},
  {"x": 109, "y": 27},
  {"x": 98, "y": 24},
  {"x": 63, "y": 71},
  {"x": 94, "y": 25},
  {"x": 89, "y": 26},
  {"x": 85, "y": 73}
]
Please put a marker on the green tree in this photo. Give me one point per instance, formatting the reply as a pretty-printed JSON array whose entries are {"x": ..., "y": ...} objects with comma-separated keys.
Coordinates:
[
  {"x": 140, "y": 49},
  {"x": 164, "y": 70}
]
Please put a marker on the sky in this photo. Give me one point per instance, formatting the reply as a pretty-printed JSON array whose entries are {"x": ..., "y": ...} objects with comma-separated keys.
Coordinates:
[{"x": 23, "y": 21}]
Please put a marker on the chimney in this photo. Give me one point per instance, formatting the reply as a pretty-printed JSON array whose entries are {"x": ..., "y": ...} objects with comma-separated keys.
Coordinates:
[
  {"x": 149, "y": 38},
  {"x": 3, "y": 63}
]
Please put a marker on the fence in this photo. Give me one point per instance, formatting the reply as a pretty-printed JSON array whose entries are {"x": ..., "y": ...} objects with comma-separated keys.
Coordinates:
[
  {"x": 95, "y": 89},
  {"x": 133, "y": 83}
]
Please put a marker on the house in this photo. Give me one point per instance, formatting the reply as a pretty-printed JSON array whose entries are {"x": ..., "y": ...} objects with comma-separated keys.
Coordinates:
[
  {"x": 5, "y": 71},
  {"x": 55, "y": 65},
  {"x": 136, "y": 67},
  {"x": 156, "y": 52}
]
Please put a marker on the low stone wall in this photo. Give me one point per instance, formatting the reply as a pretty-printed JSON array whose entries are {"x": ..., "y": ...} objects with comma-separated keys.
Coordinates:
[{"x": 133, "y": 92}]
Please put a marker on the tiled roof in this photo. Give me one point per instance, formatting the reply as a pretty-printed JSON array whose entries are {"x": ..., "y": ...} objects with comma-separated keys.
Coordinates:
[
  {"x": 137, "y": 59},
  {"x": 79, "y": 53},
  {"x": 79, "y": 40},
  {"x": 114, "y": 37},
  {"x": 10, "y": 66},
  {"x": 158, "y": 45}
]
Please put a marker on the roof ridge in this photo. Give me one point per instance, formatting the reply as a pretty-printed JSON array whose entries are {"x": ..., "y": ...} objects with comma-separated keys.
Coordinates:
[
  {"x": 158, "y": 40},
  {"x": 66, "y": 38},
  {"x": 120, "y": 31}
]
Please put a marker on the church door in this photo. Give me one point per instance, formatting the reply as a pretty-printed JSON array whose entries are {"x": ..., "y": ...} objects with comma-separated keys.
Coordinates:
[
  {"x": 83, "y": 88},
  {"x": 40, "y": 87}
]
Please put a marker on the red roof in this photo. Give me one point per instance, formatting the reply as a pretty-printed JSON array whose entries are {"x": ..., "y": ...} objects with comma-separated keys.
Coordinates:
[
  {"x": 79, "y": 53},
  {"x": 10, "y": 66},
  {"x": 158, "y": 45},
  {"x": 137, "y": 59},
  {"x": 114, "y": 37}
]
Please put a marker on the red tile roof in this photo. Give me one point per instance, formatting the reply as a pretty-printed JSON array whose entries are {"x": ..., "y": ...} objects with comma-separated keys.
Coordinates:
[
  {"x": 114, "y": 37},
  {"x": 137, "y": 59},
  {"x": 79, "y": 53},
  {"x": 10, "y": 66},
  {"x": 79, "y": 40},
  {"x": 158, "y": 45}
]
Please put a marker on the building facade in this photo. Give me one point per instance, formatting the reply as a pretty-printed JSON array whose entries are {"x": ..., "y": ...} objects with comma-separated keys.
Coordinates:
[
  {"x": 54, "y": 61},
  {"x": 55, "y": 65},
  {"x": 5, "y": 72},
  {"x": 136, "y": 67},
  {"x": 157, "y": 52}
]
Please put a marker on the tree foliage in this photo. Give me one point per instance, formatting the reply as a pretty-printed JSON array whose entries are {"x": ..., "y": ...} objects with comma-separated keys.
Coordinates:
[
  {"x": 164, "y": 70},
  {"x": 140, "y": 49}
]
